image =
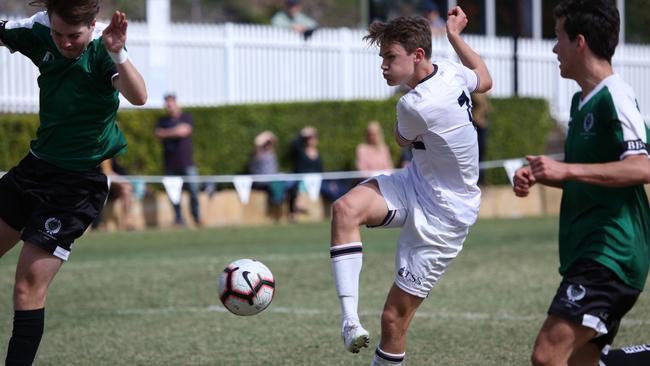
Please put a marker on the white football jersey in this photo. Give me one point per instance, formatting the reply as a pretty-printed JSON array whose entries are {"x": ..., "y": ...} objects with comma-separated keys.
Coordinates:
[{"x": 436, "y": 116}]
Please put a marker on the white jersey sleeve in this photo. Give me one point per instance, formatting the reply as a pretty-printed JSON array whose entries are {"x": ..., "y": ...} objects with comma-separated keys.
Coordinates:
[
  {"x": 634, "y": 128},
  {"x": 410, "y": 123},
  {"x": 471, "y": 78}
]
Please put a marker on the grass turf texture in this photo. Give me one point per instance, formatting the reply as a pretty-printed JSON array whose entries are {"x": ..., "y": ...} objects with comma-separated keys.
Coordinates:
[{"x": 149, "y": 298}]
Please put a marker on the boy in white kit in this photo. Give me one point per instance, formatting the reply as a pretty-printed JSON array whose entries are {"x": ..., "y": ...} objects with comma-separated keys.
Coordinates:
[{"x": 434, "y": 200}]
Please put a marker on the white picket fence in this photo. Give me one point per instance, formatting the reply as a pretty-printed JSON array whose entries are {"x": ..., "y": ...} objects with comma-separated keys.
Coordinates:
[{"x": 207, "y": 65}]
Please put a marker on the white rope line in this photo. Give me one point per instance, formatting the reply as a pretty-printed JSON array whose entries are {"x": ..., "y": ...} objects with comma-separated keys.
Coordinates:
[{"x": 293, "y": 177}]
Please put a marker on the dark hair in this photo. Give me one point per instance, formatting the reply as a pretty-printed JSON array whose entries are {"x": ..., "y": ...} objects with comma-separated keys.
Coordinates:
[
  {"x": 410, "y": 32},
  {"x": 71, "y": 11},
  {"x": 597, "y": 20}
]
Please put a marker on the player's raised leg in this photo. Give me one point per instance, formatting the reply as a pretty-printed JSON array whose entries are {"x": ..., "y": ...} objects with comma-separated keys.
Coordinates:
[{"x": 363, "y": 204}]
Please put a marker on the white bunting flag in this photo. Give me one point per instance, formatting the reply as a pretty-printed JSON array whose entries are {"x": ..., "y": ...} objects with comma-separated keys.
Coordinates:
[
  {"x": 511, "y": 167},
  {"x": 243, "y": 186},
  {"x": 174, "y": 187},
  {"x": 313, "y": 183}
]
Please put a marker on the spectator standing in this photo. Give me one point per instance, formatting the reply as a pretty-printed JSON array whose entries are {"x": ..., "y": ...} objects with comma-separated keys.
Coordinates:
[
  {"x": 174, "y": 130},
  {"x": 293, "y": 17},
  {"x": 431, "y": 11},
  {"x": 374, "y": 154}
]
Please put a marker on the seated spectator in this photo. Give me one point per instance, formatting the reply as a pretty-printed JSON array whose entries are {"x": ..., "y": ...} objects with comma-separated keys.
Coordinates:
[
  {"x": 374, "y": 154},
  {"x": 405, "y": 157},
  {"x": 120, "y": 191},
  {"x": 307, "y": 159},
  {"x": 292, "y": 17},
  {"x": 265, "y": 161}
]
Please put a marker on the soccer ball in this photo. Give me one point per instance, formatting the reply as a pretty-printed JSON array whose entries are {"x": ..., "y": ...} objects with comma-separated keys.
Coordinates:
[{"x": 246, "y": 287}]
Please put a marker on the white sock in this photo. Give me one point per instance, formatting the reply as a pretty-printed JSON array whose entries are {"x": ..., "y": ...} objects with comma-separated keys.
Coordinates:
[
  {"x": 347, "y": 260},
  {"x": 382, "y": 358}
]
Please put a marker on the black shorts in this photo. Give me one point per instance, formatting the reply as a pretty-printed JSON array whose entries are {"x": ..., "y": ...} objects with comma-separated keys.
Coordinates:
[
  {"x": 593, "y": 296},
  {"x": 50, "y": 205}
]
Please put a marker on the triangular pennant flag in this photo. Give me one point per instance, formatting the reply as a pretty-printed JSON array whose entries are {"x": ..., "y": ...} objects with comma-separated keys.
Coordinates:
[
  {"x": 243, "y": 186},
  {"x": 313, "y": 183},
  {"x": 375, "y": 173},
  {"x": 174, "y": 187},
  {"x": 511, "y": 167}
]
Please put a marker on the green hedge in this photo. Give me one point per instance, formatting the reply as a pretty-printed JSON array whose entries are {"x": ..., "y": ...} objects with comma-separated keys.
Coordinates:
[
  {"x": 518, "y": 127},
  {"x": 223, "y": 135}
]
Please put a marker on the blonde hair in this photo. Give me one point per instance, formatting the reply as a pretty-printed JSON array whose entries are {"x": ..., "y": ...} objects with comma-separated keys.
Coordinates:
[{"x": 376, "y": 126}]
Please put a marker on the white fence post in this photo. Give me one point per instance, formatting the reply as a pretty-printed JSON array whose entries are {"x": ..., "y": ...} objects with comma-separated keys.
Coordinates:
[
  {"x": 229, "y": 64},
  {"x": 158, "y": 24},
  {"x": 346, "y": 62}
]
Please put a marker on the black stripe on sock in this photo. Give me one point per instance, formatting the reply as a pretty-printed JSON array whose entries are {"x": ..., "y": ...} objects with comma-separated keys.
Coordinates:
[
  {"x": 388, "y": 220},
  {"x": 334, "y": 252},
  {"x": 389, "y": 358}
]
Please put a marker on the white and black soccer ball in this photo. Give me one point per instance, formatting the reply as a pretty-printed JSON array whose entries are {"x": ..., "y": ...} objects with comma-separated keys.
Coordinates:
[{"x": 246, "y": 287}]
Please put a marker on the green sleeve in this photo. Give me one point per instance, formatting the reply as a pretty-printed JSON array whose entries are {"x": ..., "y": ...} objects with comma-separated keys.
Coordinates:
[{"x": 26, "y": 36}]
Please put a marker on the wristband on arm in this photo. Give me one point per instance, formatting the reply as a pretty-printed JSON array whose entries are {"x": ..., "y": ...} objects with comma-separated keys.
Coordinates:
[{"x": 119, "y": 57}]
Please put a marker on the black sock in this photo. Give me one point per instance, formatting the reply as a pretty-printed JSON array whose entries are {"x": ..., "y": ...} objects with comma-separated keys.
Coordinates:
[
  {"x": 26, "y": 336},
  {"x": 628, "y": 356}
]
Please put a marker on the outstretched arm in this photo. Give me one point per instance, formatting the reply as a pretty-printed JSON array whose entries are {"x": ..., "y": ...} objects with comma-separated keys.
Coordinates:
[
  {"x": 456, "y": 22},
  {"x": 632, "y": 170},
  {"x": 129, "y": 81}
]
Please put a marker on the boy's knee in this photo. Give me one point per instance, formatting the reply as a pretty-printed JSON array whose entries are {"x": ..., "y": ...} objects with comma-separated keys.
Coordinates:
[
  {"x": 28, "y": 295},
  {"x": 391, "y": 322},
  {"x": 538, "y": 359},
  {"x": 342, "y": 209},
  {"x": 541, "y": 356}
]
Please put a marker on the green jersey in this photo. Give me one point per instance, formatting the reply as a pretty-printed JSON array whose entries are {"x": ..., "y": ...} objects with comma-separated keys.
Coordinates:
[
  {"x": 78, "y": 103},
  {"x": 608, "y": 225}
]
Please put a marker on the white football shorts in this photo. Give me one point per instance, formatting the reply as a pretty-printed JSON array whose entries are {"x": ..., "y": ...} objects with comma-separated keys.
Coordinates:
[{"x": 426, "y": 245}]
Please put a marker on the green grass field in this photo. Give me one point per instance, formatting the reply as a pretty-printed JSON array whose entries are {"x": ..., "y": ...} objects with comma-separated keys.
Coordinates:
[{"x": 149, "y": 298}]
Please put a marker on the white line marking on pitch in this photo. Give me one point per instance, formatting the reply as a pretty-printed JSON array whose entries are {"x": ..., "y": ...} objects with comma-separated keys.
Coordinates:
[
  {"x": 318, "y": 312},
  {"x": 216, "y": 261}
]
